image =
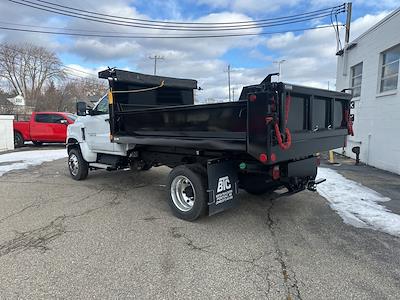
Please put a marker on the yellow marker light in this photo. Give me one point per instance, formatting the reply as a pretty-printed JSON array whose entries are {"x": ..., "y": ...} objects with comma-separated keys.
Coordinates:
[{"x": 110, "y": 97}]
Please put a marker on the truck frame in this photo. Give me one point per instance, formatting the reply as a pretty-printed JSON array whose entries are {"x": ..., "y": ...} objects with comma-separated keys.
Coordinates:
[{"x": 266, "y": 140}]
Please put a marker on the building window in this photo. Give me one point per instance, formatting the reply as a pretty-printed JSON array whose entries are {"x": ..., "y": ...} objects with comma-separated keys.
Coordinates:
[
  {"x": 390, "y": 69},
  {"x": 356, "y": 78}
]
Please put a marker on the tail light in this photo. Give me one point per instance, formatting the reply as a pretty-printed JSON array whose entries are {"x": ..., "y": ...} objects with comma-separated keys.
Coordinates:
[{"x": 263, "y": 158}]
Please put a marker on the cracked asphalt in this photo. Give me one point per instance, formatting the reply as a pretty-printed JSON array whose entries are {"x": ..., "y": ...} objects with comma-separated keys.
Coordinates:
[{"x": 113, "y": 236}]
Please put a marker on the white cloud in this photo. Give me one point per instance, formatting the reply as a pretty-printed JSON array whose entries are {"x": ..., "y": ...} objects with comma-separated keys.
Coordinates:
[
  {"x": 362, "y": 24},
  {"x": 254, "y": 6},
  {"x": 80, "y": 71},
  {"x": 310, "y": 56}
]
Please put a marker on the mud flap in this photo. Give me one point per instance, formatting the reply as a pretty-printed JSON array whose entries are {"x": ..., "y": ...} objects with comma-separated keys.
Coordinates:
[{"x": 222, "y": 185}]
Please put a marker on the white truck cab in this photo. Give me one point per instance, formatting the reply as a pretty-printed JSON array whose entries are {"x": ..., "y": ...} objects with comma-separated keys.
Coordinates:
[{"x": 90, "y": 137}]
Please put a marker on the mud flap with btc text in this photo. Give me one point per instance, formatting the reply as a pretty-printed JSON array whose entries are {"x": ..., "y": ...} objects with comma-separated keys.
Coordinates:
[{"x": 222, "y": 185}]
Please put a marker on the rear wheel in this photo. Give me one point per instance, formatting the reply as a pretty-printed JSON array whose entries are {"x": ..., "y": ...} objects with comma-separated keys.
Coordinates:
[
  {"x": 187, "y": 188},
  {"x": 18, "y": 140},
  {"x": 78, "y": 167}
]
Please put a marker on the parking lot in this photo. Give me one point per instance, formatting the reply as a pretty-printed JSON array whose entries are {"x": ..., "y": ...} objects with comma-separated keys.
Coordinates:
[{"x": 113, "y": 236}]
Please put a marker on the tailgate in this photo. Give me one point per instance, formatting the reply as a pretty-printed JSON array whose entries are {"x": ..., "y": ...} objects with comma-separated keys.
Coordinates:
[{"x": 288, "y": 122}]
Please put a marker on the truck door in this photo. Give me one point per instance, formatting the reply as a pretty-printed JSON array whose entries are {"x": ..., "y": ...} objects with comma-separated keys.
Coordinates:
[
  {"x": 40, "y": 129},
  {"x": 97, "y": 127},
  {"x": 59, "y": 126}
]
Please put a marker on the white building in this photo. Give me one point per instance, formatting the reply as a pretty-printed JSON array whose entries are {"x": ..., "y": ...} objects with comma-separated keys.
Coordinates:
[
  {"x": 6, "y": 133},
  {"x": 370, "y": 65},
  {"x": 17, "y": 100}
]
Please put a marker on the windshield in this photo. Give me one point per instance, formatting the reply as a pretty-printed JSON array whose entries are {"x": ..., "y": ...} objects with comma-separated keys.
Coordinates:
[
  {"x": 72, "y": 117},
  {"x": 102, "y": 105}
]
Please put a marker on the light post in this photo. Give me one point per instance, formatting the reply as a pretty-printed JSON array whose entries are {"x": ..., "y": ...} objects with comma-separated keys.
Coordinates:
[{"x": 279, "y": 62}]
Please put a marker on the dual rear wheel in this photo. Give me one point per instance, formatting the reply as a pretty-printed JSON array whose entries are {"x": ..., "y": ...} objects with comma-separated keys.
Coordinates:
[{"x": 187, "y": 188}]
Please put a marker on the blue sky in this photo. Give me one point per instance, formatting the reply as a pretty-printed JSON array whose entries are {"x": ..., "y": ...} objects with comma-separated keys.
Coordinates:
[{"x": 309, "y": 56}]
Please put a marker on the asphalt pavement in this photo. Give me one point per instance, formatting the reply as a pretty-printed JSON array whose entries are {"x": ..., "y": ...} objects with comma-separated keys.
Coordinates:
[{"x": 113, "y": 236}]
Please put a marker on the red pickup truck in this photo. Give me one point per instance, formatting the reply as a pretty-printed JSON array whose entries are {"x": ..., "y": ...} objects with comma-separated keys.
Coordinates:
[{"x": 43, "y": 127}]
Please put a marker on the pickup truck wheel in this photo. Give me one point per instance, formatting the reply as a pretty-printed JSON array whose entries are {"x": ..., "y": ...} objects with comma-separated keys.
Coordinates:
[
  {"x": 18, "y": 140},
  {"x": 78, "y": 167},
  {"x": 37, "y": 143},
  {"x": 187, "y": 193}
]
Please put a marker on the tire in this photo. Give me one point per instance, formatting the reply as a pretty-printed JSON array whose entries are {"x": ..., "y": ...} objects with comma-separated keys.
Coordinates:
[
  {"x": 256, "y": 185},
  {"x": 77, "y": 166},
  {"x": 18, "y": 140},
  {"x": 36, "y": 143},
  {"x": 187, "y": 189}
]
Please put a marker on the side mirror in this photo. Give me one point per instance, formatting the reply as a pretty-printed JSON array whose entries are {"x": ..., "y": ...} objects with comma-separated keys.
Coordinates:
[
  {"x": 81, "y": 108},
  {"x": 65, "y": 122}
]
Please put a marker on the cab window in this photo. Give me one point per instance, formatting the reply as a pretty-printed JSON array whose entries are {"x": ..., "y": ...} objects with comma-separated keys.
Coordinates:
[
  {"x": 102, "y": 106},
  {"x": 49, "y": 118},
  {"x": 43, "y": 118}
]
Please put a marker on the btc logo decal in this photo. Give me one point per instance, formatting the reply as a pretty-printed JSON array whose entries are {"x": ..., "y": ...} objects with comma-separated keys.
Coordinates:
[{"x": 223, "y": 184}]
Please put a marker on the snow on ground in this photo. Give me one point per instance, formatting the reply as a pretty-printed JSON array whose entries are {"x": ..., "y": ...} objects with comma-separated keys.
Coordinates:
[
  {"x": 358, "y": 205},
  {"x": 24, "y": 159}
]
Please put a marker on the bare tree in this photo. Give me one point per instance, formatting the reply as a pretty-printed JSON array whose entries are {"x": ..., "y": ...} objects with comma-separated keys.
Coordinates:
[
  {"x": 28, "y": 68},
  {"x": 63, "y": 97}
]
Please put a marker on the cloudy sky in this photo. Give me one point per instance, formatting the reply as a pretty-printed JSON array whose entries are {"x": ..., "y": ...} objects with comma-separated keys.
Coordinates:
[{"x": 309, "y": 55}]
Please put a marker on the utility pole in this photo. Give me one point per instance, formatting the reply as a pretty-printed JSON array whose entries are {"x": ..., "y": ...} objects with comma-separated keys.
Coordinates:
[
  {"x": 348, "y": 21},
  {"x": 233, "y": 93},
  {"x": 229, "y": 71},
  {"x": 155, "y": 57},
  {"x": 346, "y": 39},
  {"x": 229, "y": 81},
  {"x": 279, "y": 62}
]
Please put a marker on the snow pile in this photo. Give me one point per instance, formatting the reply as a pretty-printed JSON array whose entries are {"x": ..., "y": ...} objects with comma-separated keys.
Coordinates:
[
  {"x": 24, "y": 159},
  {"x": 358, "y": 205}
]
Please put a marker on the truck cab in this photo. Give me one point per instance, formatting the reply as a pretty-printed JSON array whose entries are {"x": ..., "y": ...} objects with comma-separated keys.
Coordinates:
[{"x": 92, "y": 132}]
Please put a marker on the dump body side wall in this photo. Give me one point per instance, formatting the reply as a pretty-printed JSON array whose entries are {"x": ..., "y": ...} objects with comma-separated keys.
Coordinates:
[{"x": 316, "y": 120}]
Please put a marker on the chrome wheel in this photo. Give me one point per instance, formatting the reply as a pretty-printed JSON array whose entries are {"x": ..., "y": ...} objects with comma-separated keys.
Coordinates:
[
  {"x": 73, "y": 164},
  {"x": 182, "y": 193}
]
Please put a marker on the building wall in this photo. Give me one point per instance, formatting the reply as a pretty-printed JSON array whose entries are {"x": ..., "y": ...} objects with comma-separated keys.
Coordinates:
[
  {"x": 377, "y": 115},
  {"x": 6, "y": 133}
]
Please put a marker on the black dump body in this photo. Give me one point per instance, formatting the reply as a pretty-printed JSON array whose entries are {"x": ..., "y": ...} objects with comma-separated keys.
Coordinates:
[{"x": 271, "y": 122}]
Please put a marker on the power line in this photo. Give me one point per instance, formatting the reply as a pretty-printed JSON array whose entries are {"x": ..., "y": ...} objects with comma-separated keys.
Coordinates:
[
  {"x": 188, "y": 23},
  {"x": 103, "y": 20},
  {"x": 146, "y": 36}
]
